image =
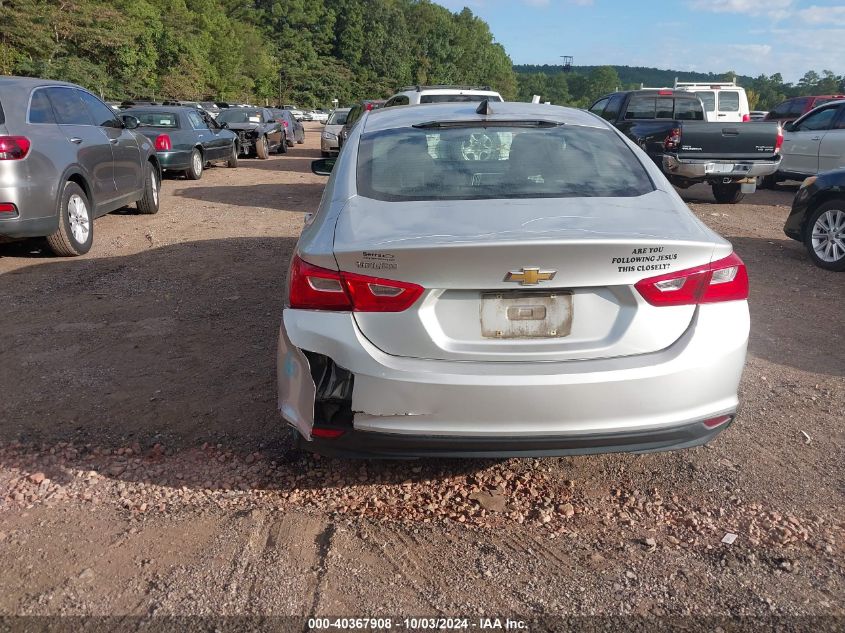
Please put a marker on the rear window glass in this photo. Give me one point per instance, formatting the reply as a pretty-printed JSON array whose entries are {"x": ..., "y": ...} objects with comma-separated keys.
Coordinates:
[
  {"x": 337, "y": 118},
  {"x": 156, "y": 119},
  {"x": 640, "y": 108},
  {"x": 475, "y": 163},
  {"x": 40, "y": 110},
  {"x": 728, "y": 101},
  {"x": 708, "y": 98},
  {"x": 688, "y": 110},
  {"x": 457, "y": 98}
]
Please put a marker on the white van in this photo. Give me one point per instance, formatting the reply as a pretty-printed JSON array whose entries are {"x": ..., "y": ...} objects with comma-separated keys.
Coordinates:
[{"x": 724, "y": 102}]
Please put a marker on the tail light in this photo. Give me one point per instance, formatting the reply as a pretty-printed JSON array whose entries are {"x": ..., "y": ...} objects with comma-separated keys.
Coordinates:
[
  {"x": 746, "y": 118},
  {"x": 673, "y": 141},
  {"x": 665, "y": 93},
  {"x": 779, "y": 140},
  {"x": 723, "y": 280},
  {"x": 326, "y": 433},
  {"x": 315, "y": 288},
  {"x": 8, "y": 207},
  {"x": 163, "y": 143},
  {"x": 285, "y": 123},
  {"x": 14, "y": 147},
  {"x": 713, "y": 423}
]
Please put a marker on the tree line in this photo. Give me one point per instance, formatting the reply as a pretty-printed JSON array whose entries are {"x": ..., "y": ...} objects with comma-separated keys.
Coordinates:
[
  {"x": 302, "y": 51},
  {"x": 584, "y": 84}
]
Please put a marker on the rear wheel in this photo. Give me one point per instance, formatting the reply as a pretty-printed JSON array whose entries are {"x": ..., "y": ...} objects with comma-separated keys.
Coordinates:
[
  {"x": 262, "y": 148},
  {"x": 283, "y": 146},
  {"x": 194, "y": 172},
  {"x": 76, "y": 226},
  {"x": 148, "y": 204},
  {"x": 729, "y": 193},
  {"x": 233, "y": 156},
  {"x": 767, "y": 182},
  {"x": 825, "y": 236},
  {"x": 301, "y": 140}
]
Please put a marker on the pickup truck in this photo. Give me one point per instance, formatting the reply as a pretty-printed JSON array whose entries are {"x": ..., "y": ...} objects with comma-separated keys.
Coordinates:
[{"x": 670, "y": 126}]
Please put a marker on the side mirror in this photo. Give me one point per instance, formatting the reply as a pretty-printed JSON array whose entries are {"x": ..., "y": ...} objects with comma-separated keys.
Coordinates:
[
  {"x": 130, "y": 122},
  {"x": 222, "y": 125},
  {"x": 323, "y": 166},
  {"x": 789, "y": 127}
]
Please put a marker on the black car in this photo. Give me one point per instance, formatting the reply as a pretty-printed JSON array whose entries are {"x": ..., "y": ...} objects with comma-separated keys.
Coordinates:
[
  {"x": 293, "y": 129},
  {"x": 257, "y": 129},
  {"x": 355, "y": 113},
  {"x": 818, "y": 219}
]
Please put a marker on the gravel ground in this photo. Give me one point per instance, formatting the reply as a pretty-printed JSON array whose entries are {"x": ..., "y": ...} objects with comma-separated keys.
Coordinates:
[{"x": 145, "y": 472}]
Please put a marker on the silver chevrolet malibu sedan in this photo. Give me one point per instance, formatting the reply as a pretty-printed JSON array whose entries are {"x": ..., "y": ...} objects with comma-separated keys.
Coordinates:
[{"x": 506, "y": 279}]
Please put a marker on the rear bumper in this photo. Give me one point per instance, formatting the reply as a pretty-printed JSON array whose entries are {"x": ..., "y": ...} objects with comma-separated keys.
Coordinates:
[
  {"x": 28, "y": 227},
  {"x": 328, "y": 145},
  {"x": 363, "y": 444},
  {"x": 641, "y": 402},
  {"x": 174, "y": 160},
  {"x": 704, "y": 169}
]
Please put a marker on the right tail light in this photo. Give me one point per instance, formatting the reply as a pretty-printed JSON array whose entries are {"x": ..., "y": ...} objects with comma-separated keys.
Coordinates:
[
  {"x": 163, "y": 143},
  {"x": 722, "y": 280},
  {"x": 14, "y": 147}
]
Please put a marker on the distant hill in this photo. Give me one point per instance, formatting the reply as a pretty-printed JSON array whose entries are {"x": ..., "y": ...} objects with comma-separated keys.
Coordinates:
[{"x": 654, "y": 77}]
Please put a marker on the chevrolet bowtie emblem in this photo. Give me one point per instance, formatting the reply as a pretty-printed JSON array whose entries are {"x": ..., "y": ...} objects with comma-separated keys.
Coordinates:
[{"x": 530, "y": 276}]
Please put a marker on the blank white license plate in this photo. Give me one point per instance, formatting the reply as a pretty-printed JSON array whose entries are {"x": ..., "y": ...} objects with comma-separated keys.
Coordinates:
[
  {"x": 525, "y": 314},
  {"x": 719, "y": 168}
]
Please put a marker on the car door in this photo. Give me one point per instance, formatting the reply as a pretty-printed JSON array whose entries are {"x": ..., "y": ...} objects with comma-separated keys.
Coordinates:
[
  {"x": 275, "y": 134},
  {"x": 94, "y": 152},
  {"x": 210, "y": 150},
  {"x": 802, "y": 143},
  {"x": 223, "y": 139},
  {"x": 832, "y": 146},
  {"x": 126, "y": 155}
]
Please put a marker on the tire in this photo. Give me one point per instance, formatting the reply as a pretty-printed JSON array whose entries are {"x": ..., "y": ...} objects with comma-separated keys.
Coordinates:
[
  {"x": 148, "y": 204},
  {"x": 233, "y": 157},
  {"x": 767, "y": 182},
  {"x": 76, "y": 224},
  {"x": 262, "y": 148},
  {"x": 325, "y": 154},
  {"x": 283, "y": 146},
  {"x": 827, "y": 223},
  {"x": 194, "y": 172},
  {"x": 728, "y": 193},
  {"x": 300, "y": 142}
]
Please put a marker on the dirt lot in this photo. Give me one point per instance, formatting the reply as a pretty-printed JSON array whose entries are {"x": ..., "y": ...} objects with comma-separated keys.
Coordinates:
[{"x": 144, "y": 469}]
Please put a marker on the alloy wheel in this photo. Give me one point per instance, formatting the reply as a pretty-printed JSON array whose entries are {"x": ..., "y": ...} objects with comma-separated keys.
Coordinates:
[
  {"x": 828, "y": 237},
  {"x": 80, "y": 221}
]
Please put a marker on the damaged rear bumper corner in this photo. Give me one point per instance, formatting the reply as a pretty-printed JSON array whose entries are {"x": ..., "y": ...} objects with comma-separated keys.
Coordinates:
[{"x": 296, "y": 387}]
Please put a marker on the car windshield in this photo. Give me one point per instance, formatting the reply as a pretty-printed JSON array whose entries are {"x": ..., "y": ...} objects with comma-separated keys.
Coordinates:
[
  {"x": 239, "y": 116},
  {"x": 337, "y": 118},
  {"x": 155, "y": 119},
  {"x": 457, "y": 98},
  {"x": 494, "y": 162}
]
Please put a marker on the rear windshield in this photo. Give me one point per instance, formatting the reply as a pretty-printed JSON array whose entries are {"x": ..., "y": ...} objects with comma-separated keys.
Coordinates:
[
  {"x": 650, "y": 107},
  {"x": 156, "y": 119},
  {"x": 497, "y": 162},
  {"x": 240, "y": 116},
  {"x": 337, "y": 118},
  {"x": 457, "y": 98}
]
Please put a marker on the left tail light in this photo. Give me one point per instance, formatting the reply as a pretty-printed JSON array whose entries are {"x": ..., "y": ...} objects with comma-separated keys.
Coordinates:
[
  {"x": 673, "y": 141},
  {"x": 315, "y": 288},
  {"x": 163, "y": 143},
  {"x": 722, "y": 280},
  {"x": 779, "y": 140},
  {"x": 14, "y": 147},
  {"x": 746, "y": 118}
]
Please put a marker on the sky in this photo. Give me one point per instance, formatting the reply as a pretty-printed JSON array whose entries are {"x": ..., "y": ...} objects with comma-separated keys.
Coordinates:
[{"x": 748, "y": 36}]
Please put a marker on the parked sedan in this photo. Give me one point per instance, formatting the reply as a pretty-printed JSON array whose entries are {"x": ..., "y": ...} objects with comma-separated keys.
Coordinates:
[
  {"x": 258, "y": 131},
  {"x": 186, "y": 138},
  {"x": 818, "y": 219},
  {"x": 555, "y": 298},
  {"x": 65, "y": 159},
  {"x": 293, "y": 130},
  {"x": 329, "y": 137}
]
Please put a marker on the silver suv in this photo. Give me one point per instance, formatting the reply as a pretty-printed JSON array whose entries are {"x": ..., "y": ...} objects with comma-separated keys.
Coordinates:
[
  {"x": 65, "y": 159},
  {"x": 414, "y": 95}
]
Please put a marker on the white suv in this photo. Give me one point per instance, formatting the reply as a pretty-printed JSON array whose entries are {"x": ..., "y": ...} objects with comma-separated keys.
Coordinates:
[{"x": 413, "y": 95}]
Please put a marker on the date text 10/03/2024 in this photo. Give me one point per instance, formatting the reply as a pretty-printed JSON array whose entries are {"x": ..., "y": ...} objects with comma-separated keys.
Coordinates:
[{"x": 418, "y": 624}]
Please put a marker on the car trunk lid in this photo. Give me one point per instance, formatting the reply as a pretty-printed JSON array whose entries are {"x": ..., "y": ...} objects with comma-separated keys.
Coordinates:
[{"x": 477, "y": 260}]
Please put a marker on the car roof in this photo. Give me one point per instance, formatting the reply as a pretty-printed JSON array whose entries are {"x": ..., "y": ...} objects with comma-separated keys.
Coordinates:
[
  {"x": 33, "y": 82},
  {"x": 406, "y": 116}
]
